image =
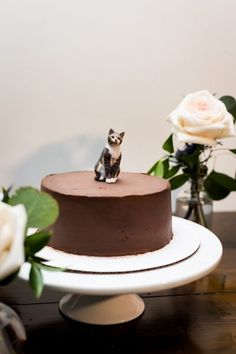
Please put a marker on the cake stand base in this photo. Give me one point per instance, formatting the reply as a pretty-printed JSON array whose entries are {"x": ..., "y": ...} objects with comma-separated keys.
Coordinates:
[{"x": 102, "y": 310}]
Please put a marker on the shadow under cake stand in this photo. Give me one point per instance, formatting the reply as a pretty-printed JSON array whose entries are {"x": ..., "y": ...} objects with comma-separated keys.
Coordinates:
[{"x": 103, "y": 290}]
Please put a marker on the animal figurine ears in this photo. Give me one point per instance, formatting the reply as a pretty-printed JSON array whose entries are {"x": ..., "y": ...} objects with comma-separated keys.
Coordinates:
[{"x": 111, "y": 131}]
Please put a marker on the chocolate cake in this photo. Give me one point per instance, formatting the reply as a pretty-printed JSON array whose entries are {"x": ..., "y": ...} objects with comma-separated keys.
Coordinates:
[{"x": 132, "y": 216}]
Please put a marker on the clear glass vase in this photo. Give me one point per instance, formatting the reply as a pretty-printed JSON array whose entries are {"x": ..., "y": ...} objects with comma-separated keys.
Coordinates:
[
  {"x": 12, "y": 331},
  {"x": 194, "y": 204}
]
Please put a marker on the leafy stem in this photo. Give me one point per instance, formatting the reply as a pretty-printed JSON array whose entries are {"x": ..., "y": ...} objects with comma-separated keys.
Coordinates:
[{"x": 42, "y": 211}]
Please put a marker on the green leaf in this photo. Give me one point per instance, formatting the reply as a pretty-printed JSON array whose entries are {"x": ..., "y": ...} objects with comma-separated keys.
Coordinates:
[
  {"x": 172, "y": 171},
  {"x": 152, "y": 169},
  {"x": 229, "y": 101},
  {"x": 233, "y": 151},
  {"x": 230, "y": 104},
  {"x": 178, "y": 181},
  {"x": 34, "y": 243},
  {"x": 223, "y": 180},
  {"x": 165, "y": 167},
  {"x": 42, "y": 209},
  {"x": 159, "y": 171},
  {"x": 36, "y": 280},
  {"x": 168, "y": 144},
  {"x": 160, "y": 168},
  {"x": 214, "y": 190}
]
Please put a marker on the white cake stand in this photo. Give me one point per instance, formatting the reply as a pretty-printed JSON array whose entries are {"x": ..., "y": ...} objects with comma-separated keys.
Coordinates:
[{"x": 110, "y": 297}]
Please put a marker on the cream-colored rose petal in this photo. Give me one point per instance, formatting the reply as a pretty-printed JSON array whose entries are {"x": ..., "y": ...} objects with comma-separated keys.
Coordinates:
[
  {"x": 191, "y": 139},
  {"x": 212, "y": 130},
  {"x": 3, "y": 256},
  {"x": 16, "y": 218},
  {"x": 5, "y": 237},
  {"x": 229, "y": 123}
]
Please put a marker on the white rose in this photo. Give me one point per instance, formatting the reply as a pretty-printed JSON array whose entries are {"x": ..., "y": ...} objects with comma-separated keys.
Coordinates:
[
  {"x": 12, "y": 231},
  {"x": 201, "y": 118}
]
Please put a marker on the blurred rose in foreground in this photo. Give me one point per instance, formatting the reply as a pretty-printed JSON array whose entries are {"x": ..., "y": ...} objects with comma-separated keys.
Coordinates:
[{"x": 12, "y": 232}]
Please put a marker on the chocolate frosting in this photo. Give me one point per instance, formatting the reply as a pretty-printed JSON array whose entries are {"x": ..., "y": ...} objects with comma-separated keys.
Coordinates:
[{"x": 131, "y": 216}]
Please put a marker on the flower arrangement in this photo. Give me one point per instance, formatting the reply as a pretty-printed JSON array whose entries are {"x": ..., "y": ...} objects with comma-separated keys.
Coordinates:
[
  {"x": 25, "y": 217},
  {"x": 199, "y": 122}
]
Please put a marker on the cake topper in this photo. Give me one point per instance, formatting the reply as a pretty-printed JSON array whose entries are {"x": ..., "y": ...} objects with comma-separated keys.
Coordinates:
[{"x": 107, "y": 168}]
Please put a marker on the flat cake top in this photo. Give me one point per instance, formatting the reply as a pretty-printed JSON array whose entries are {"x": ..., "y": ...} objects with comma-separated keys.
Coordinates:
[{"x": 82, "y": 183}]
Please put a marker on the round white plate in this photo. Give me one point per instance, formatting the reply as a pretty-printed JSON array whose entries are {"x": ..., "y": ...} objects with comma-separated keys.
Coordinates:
[
  {"x": 202, "y": 262},
  {"x": 183, "y": 245}
]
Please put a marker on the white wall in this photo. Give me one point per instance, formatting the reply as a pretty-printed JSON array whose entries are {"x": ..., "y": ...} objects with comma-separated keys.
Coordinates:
[{"x": 70, "y": 70}]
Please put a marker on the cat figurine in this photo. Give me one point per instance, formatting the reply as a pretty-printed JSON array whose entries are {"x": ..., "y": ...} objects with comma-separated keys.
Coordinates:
[{"x": 107, "y": 168}]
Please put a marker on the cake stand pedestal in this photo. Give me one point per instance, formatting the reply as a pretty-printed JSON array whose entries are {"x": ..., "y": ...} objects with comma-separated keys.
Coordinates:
[
  {"x": 110, "y": 298},
  {"x": 102, "y": 310}
]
